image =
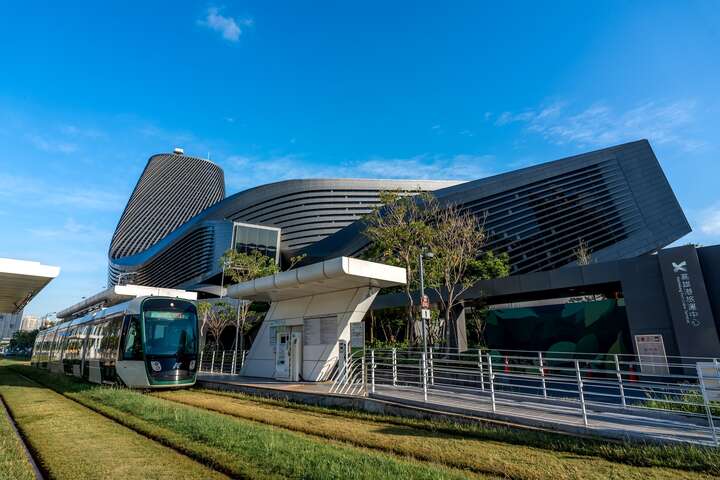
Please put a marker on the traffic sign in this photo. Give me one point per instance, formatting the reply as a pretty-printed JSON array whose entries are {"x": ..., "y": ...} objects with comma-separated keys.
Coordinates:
[{"x": 425, "y": 302}]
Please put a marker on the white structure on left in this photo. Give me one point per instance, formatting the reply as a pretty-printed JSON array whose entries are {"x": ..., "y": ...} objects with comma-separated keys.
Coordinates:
[
  {"x": 20, "y": 281},
  {"x": 312, "y": 312}
]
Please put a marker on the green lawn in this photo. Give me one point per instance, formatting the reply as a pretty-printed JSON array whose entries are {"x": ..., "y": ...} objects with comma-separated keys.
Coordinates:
[
  {"x": 13, "y": 462},
  {"x": 250, "y": 437},
  {"x": 241, "y": 447},
  {"x": 73, "y": 442},
  {"x": 681, "y": 457},
  {"x": 474, "y": 448}
]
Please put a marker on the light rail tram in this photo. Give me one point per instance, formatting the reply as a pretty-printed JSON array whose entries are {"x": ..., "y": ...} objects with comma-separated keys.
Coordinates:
[{"x": 146, "y": 342}]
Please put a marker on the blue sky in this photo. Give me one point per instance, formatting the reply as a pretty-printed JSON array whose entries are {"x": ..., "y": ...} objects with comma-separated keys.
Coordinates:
[{"x": 274, "y": 90}]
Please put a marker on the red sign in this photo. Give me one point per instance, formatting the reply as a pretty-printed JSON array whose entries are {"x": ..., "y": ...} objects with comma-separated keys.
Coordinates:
[{"x": 425, "y": 302}]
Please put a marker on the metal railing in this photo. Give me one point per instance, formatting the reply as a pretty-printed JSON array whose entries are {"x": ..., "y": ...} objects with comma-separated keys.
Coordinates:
[
  {"x": 350, "y": 377},
  {"x": 221, "y": 362},
  {"x": 664, "y": 393}
]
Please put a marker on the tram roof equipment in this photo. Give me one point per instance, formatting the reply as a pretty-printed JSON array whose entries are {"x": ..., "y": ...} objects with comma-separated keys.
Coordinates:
[{"x": 118, "y": 294}]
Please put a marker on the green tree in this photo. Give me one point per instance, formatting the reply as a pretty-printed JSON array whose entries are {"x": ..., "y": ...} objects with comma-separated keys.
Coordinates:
[
  {"x": 457, "y": 242},
  {"x": 399, "y": 229},
  {"x": 204, "y": 310},
  {"x": 216, "y": 318},
  {"x": 582, "y": 253},
  {"x": 22, "y": 340},
  {"x": 242, "y": 267}
]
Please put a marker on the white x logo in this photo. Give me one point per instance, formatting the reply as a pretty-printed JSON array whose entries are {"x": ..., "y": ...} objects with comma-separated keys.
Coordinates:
[{"x": 679, "y": 267}]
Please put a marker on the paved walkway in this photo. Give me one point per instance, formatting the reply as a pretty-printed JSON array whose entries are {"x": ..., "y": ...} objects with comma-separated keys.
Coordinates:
[
  {"x": 554, "y": 414},
  {"x": 603, "y": 420}
]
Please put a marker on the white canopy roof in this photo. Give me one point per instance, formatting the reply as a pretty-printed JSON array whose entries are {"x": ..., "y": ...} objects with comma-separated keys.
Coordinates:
[
  {"x": 21, "y": 280},
  {"x": 333, "y": 275}
]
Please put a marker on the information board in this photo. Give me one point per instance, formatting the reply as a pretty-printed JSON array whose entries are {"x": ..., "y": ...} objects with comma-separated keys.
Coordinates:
[
  {"x": 321, "y": 330},
  {"x": 357, "y": 335},
  {"x": 651, "y": 354}
]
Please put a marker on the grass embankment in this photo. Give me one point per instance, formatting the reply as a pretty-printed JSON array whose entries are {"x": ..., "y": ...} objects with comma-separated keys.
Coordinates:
[
  {"x": 71, "y": 441},
  {"x": 14, "y": 465},
  {"x": 478, "y": 448},
  {"x": 687, "y": 402},
  {"x": 241, "y": 447}
]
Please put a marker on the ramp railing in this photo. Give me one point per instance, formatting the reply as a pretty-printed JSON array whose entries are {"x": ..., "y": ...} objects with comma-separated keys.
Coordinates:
[
  {"x": 350, "y": 377},
  {"x": 677, "y": 394}
]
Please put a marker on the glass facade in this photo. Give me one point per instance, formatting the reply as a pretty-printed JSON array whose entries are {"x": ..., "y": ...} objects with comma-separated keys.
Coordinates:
[
  {"x": 266, "y": 240},
  {"x": 583, "y": 327}
]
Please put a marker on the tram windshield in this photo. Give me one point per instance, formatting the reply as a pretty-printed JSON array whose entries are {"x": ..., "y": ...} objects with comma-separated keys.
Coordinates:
[{"x": 170, "y": 327}]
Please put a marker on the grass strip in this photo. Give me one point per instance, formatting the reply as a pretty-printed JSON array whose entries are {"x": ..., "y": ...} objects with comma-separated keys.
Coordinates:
[
  {"x": 482, "y": 456},
  {"x": 243, "y": 448},
  {"x": 681, "y": 457},
  {"x": 14, "y": 464},
  {"x": 70, "y": 441}
]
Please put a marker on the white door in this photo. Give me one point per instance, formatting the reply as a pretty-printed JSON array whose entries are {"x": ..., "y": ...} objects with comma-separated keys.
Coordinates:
[{"x": 282, "y": 356}]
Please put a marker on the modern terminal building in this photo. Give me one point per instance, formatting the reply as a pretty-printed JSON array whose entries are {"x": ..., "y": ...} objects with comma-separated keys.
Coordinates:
[{"x": 179, "y": 222}]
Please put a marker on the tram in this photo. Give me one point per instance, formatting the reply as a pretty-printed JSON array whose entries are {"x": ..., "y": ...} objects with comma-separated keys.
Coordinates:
[{"x": 147, "y": 342}]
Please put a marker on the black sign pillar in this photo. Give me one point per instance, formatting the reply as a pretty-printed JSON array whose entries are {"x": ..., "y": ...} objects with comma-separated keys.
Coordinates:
[{"x": 688, "y": 300}]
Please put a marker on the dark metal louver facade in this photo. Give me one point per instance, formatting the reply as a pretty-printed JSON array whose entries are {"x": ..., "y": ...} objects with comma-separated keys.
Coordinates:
[
  {"x": 172, "y": 189},
  {"x": 305, "y": 210},
  {"x": 616, "y": 199}
]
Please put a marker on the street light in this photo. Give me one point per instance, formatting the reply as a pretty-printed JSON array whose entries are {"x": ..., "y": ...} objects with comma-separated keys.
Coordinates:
[{"x": 424, "y": 304}]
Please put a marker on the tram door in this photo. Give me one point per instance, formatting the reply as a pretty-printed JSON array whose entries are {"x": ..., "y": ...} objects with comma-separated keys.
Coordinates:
[{"x": 282, "y": 356}]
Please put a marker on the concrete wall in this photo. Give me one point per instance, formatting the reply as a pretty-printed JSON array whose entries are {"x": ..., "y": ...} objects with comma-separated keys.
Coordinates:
[{"x": 318, "y": 358}]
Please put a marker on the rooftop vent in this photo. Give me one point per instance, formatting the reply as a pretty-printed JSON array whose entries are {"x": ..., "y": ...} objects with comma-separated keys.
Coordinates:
[{"x": 179, "y": 151}]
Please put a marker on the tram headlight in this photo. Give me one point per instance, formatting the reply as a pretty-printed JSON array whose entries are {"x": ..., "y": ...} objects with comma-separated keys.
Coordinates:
[
  {"x": 192, "y": 364},
  {"x": 155, "y": 366}
]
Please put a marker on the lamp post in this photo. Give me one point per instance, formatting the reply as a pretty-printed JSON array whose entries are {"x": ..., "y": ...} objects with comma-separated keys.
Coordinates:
[{"x": 423, "y": 303}]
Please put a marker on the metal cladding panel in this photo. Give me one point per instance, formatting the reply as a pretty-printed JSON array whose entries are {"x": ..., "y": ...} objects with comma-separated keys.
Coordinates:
[
  {"x": 171, "y": 190},
  {"x": 306, "y": 211},
  {"x": 617, "y": 200}
]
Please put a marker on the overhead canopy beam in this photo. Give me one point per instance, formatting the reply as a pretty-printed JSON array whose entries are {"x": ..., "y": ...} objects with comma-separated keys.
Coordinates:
[{"x": 332, "y": 275}]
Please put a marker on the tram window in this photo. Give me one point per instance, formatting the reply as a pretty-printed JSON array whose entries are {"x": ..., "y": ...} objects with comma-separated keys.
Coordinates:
[
  {"x": 133, "y": 349},
  {"x": 171, "y": 327}
]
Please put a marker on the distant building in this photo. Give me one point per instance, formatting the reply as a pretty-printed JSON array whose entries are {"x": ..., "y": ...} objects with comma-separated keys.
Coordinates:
[
  {"x": 9, "y": 324},
  {"x": 30, "y": 323}
]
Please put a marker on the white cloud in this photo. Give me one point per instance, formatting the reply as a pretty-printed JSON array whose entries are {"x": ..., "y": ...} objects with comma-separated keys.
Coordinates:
[
  {"x": 75, "y": 131},
  {"x": 228, "y": 27},
  {"x": 244, "y": 171},
  {"x": 41, "y": 143},
  {"x": 27, "y": 191},
  {"x": 72, "y": 230},
  {"x": 433, "y": 167},
  {"x": 600, "y": 124},
  {"x": 710, "y": 220}
]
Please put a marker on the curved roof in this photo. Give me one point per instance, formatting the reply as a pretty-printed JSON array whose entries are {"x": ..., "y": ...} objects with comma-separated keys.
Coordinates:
[
  {"x": 307, "y": 210},
  {"x": 172, "y": 189}
]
